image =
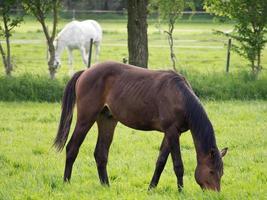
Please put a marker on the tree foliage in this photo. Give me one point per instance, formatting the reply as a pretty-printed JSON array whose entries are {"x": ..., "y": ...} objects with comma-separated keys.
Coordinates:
[
  {"x": 41, "y": 9},
  {"x": 250, "y": 27},
  {"x": 7, "y": 24}
]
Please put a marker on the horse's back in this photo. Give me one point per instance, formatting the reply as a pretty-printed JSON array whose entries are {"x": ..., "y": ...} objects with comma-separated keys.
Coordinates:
[
  {"x": 81, "y": 32},
  {"x": 137, "y": 97},
  {"x": 97, "y": 27},
  {"x": 91, "y": 29},
  {"x": 71, "y": 34},
  {"x": 129, "y": 73}
]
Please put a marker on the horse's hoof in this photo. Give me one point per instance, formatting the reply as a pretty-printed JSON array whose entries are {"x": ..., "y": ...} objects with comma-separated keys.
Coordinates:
[
  {"x": 105, "y": 184},
  {"x": 151, "y": 187},
  {"x": 66, "y": 180}
]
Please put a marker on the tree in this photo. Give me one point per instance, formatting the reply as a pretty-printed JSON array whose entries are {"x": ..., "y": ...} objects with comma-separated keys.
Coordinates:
[
  {"x": 250, "y": 27},
  {"x": 171, "y": 10},
  {"x": 198, "y": 4},
  {"x": 137, "y": 32},
  {"x": 6, "y": 27},
  {"x": 41, "y": 9}
]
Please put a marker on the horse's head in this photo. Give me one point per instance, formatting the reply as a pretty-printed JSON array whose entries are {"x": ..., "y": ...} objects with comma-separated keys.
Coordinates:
[
  {"x": 209, "y": 170},
  {"x": 57, "y": 62}
]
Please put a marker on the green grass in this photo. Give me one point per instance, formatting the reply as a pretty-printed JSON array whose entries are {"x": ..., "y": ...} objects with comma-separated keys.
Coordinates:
[
  {"x": 31, "y": 169},
  {"x": 196, "y": 47}
]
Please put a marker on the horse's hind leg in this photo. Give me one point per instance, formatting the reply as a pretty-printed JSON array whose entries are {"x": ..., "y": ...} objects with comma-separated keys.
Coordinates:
[
  {"x": 85, "y": 120},
  {"x": 73, "y": 146},
  {"x": 162, "y": 159},
  {"x": 97, "y": 50},
  {"x": 106, "y": 126}
]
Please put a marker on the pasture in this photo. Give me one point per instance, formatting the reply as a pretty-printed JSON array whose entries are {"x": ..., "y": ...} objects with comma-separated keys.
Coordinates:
[
  {"x": 31, "y": 169},
  {"x": 197, "y": 49}
]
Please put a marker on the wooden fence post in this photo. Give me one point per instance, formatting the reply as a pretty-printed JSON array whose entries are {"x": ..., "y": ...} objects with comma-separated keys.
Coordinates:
[
  {"x": 228, "y": 55},
  {"x": 90, "y": 53}
]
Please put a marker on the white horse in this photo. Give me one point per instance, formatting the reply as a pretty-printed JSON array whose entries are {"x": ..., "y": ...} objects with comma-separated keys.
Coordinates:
[{"x": 77, "y": 35}]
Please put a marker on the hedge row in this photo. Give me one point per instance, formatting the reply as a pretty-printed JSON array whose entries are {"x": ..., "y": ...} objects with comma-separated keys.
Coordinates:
[
  {"x": 241, "y": 86},
  {"x": 220, "y": 86},
  {"x": 31, "y": 88}
]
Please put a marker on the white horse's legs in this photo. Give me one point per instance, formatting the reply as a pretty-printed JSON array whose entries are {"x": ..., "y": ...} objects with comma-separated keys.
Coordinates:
[
  {"x": 71, "y": 71},
  {"x": 84, "y": 55},
  {"x": 97, "y": 50}
]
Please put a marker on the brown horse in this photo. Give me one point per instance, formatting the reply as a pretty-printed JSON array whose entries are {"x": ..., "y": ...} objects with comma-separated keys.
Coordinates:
[{"x": 145, "y": 100}]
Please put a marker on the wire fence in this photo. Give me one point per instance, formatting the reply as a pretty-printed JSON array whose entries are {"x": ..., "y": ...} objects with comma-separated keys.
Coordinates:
[
  {"x": 40, "y": 45},
  {"x": 123, "y": 11},
  {"x": 119, "y": 14}
]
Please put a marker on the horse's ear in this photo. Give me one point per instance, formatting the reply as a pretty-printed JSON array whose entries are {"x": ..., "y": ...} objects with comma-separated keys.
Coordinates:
[{"x": 224, "y": 151}]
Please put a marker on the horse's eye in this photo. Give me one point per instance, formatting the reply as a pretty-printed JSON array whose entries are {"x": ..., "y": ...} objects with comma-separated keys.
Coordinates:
[{"x": 211, "y": 172}]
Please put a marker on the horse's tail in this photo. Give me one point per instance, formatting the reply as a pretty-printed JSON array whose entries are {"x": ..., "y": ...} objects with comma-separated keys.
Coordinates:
[{"x": 68, "y": 102}]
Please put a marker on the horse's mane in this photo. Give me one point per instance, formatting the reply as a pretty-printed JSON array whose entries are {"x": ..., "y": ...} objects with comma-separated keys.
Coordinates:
[{"x": 198, "y": 121}]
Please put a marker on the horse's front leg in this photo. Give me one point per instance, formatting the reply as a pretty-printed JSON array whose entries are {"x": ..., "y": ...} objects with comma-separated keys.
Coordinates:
[
  {"x": 162, "y": 159},
  {"x": 173, "y": 140},
  {"x": 70, "y": 55}
]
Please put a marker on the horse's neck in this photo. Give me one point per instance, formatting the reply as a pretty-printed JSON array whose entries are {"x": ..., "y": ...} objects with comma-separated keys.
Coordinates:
[
  {"x": 198, "y": 121},
  {"x": 204, "y": 138},
  {"x": 201, "y": 127},
  {"x": 60, "y": 47}
]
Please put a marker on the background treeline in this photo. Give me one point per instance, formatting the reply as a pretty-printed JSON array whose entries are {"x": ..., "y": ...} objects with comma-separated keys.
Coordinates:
[
  {"x": 118, "y": 5},
  {"x": 108, "y": 4}
]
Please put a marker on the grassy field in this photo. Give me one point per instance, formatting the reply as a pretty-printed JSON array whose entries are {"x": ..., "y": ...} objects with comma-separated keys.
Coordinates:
[
  {"x": 196, "y": 47},
  {"x": 31, "y": 169}
]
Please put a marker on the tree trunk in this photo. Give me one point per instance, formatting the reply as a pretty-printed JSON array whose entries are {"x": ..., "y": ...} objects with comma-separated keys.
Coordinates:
[
  {"x": 137, "y": 33},
  {"x": 3, "y": 55},
  {"x": 253, "y": 66},
  {"x": 258, "y": 61},
  {"x": 69, "y": 4},
  {"x": 172, "y": 54},
  {"x": 105, "y": 6},
  {"x": 51, "y": 68},
  {"x": 8, "y": 66},
  {"x": 170, "y": 39},
  {"x": 50, "y": 39}
]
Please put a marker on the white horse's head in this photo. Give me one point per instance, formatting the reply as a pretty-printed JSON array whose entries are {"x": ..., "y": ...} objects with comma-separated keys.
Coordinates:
[{"x": 57, "y": 61}]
